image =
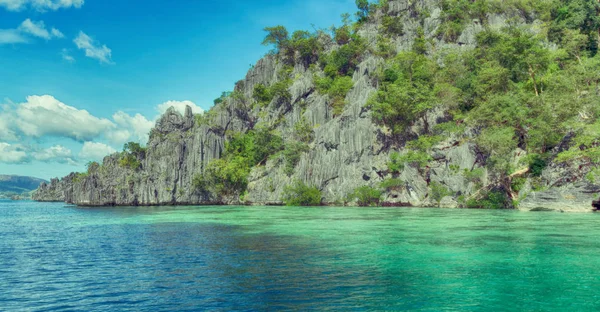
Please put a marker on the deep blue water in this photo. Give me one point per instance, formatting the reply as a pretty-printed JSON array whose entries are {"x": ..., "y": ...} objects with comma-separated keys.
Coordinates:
[{"x": 60, "y": 258}]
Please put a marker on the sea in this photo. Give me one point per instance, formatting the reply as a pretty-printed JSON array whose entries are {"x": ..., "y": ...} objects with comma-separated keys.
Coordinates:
[{"x": 56, "y": 257}]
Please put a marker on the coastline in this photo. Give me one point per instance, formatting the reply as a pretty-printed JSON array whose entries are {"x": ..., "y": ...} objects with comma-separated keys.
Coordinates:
[{"x": 541, "y": 206}]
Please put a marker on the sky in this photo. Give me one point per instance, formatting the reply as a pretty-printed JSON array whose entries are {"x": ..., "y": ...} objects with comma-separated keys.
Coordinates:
[{"x": 79, "y": 78}]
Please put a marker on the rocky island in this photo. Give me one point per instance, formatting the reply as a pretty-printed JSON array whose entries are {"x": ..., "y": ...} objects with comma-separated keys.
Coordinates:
[{"x": 427, "y": 103}]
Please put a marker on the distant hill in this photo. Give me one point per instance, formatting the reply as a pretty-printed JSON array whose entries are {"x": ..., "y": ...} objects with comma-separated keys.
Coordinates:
[{"x": 18, "y": 184}]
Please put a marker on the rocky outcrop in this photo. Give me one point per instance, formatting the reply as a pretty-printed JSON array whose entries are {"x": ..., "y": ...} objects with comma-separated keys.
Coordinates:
[
  {"x": 348, "y": 150},
  {"x": 576, "y": 197},
  {"x": 55, "y": 190},
  {"x": 560, "y": 188}
]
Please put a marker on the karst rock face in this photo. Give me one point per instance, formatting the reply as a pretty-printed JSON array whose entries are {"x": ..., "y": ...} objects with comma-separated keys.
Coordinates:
[{"x": 349, "y": 149}]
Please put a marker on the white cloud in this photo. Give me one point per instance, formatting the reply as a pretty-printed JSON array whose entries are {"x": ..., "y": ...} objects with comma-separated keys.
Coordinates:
[
  {"x": 11, "y": 36},
  {"x": 119, "y": 136},
  {"x": 57, "y": 153},
  {"x": 45, "y": 115},
  {"x": 36, "y": 29},
  {"x": 136, "y": 126},
  {"x": 11, "y": 154},
  {"x": 5, "y": 132},
  {"x": 56, "y": 33},
  {"x": 179, "y": 106},
  {"x": 26, "y": 30},
  {"x": 18, "y": 153},
  {"x": 93, "y": 49},
  {"x": 95, "y": 151},
  {"x": 40, "y": 5},
  {"x": 67, "y": 56}
]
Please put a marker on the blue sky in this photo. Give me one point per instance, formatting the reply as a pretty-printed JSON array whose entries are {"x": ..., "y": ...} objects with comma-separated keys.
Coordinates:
[{"x": 81, "y": 77}]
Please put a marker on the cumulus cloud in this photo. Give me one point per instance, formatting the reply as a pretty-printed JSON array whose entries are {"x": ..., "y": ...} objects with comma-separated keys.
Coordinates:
[
  {"x": 119, "y": 136},
  {"x": 18, "y": 153},
  {"x": 179, "y": 106},
  {"x": 95, "y": 151},
  {"x": 37, "y": 29},
  {"x": 45, "y": 115},
  {"x": 40, "y": 5},
  {"x": 12, "y": 154},
  {"x": 11, "y": 36},
  {"x": 136, "y": 126},
  {"x": 26, "y": 31},
  {"x": 6, "y": 133},
  {"x": 93, "y": 49},
  {"x": 66, "y": 56},
  {"x": 57, "y": 153},
  {"x": 56, "y": 33}
]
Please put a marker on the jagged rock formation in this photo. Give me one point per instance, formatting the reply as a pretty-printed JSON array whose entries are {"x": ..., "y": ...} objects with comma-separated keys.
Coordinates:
[{"x": 348, "y": 151}]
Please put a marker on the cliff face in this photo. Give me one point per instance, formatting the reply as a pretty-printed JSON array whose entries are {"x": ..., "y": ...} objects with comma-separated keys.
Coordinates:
[{"x": 348, "y": 151}]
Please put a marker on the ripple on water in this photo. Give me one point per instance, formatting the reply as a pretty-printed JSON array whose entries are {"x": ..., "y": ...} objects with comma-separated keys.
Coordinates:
[{"x": 57, "y": 258}]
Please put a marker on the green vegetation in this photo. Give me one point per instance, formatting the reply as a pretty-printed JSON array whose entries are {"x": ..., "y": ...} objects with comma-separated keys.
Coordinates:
[
  {"x": 457, "y": 14},
  {"x": 292, "y": 153},
  {"x": 366, "y": 196},
  {"x": 417, "y": 159},
  {"x": 277, "y": 36},
  {"x": 92, "y": 167},
  {"x": 336, "y": 88},
  {"x": 343, "y": 61},
  {"x": 407, "y": 92},
  {"x": 222, "y": 98},
  {"x": 438, "y": 191},
  {"x": 586, "y": 147},
  {"x": 537, "y": 163},
  {"x": 392, "y": 184},
  {"x": 297, "y": 144},
  {"x": 515, "y": 89},
  {"x": 132, "y": 156},
  {"x": 474, "y": 176},
  {"x": 80, "y": 176},
  {"x": 305, "y": 44},
  {"x": 392, "y": 25},
  {"x": 206, "y": 118},
  {"x": 264, "y": 95},
  {"x": 300, "y": 194},
  {"x": 229, "y": 174},
  {"x": 499, "y": 144},
  {"x": 518, "y": 183},
  {"x": 579, "y": 17},
  {"x": 303, "y": 131},
  {"x": 492, "y": 200}
]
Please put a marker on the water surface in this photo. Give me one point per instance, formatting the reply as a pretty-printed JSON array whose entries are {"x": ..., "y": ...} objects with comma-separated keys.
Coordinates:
[{"x": 60, "y": 258}]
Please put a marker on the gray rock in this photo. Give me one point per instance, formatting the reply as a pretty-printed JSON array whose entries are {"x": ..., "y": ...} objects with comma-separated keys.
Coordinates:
[{"x": 348, "y": 151}]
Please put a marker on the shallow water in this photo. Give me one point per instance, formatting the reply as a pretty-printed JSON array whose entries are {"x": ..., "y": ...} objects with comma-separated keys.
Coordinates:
[{"x": 55, "y": 257}]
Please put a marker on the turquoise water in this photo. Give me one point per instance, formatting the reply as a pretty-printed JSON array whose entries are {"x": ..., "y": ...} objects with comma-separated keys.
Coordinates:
[{"x": 59, "y": 258}]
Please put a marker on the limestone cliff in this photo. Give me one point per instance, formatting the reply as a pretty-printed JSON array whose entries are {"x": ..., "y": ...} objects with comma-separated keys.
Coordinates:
[{"x": 349, "y": 149}]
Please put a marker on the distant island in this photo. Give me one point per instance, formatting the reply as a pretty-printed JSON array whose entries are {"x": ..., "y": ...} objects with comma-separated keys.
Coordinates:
[{"x": 18, "y": 187}]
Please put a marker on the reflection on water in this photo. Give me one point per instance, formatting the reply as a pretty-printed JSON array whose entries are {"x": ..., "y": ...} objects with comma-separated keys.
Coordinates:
[{"x": 256, "y": 258}]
